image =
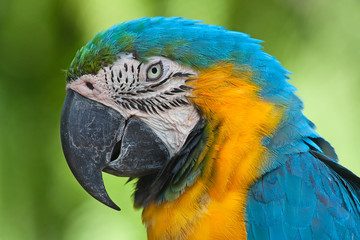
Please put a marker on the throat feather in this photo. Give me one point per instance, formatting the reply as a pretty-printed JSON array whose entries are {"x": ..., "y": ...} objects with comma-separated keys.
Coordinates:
[{"x": 179, "y": 172}]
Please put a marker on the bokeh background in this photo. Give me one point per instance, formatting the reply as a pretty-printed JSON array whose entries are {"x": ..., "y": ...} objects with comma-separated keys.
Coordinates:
[{"x": 317, "y": 40}]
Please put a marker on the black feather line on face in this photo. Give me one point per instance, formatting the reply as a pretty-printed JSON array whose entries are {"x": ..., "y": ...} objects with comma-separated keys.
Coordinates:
[
  {"x": 176, "y": 90},
  {"x": 138, "y": 72},
  {"x": 151, "y": 188},
  {"x": 172, "y": 104},
  {"x": 184, "y": 87},
  {"x": 160, "y": 108},
  {"x": 183, "y": 75},
  {"x": 154, "y": 109},
  {"x": 165, "y": 106},
  {"x": 149, "y": 105},
  {"x": 148, "y": 108},
  {"x": 106, "y": 79},
  {"x": 132, "y": 82},
  {"x": 133, "y": 105}
]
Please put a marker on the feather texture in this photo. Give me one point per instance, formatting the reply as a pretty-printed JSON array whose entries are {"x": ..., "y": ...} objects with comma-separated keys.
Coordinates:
[
  {"x": 302, "y": 199},
  {"x": 262, "y": 171}
]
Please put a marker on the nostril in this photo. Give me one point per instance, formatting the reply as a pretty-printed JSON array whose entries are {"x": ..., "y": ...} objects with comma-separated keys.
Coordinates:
[
  {"x": 116, "y": 151},
  {"x": 90, "y": 86}
]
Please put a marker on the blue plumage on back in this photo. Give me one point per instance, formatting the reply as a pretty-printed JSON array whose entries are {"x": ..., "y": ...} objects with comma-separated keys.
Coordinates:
[{"x": 303, "y": 199}]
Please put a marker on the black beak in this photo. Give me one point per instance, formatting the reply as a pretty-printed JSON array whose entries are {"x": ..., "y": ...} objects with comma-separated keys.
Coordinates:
[{"x": 96, "y": 138}]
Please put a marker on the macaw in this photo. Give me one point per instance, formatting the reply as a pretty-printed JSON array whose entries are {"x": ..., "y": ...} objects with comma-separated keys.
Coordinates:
[{"x": 208, "y": 125}]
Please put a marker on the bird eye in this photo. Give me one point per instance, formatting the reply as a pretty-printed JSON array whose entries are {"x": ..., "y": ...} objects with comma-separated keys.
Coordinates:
[{"x": 154, "y": 72}]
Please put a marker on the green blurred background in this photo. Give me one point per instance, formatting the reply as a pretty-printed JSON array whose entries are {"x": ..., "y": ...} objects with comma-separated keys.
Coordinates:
[{"x": 317, "y": 40}]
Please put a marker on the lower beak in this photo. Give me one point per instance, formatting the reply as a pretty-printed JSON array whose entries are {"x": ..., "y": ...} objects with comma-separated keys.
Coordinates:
[{"x": 97, "y": 138}]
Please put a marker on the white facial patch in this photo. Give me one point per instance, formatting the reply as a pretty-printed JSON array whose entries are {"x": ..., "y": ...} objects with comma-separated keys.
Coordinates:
[{"x": 154, "y": 91}]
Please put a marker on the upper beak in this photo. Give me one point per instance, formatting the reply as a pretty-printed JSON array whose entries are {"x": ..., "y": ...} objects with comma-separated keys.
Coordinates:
[{"x": 97, "y": 138}]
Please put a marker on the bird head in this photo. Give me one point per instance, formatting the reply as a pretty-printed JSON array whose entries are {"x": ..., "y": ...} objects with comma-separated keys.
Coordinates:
[{"x": 142, "y": 95}]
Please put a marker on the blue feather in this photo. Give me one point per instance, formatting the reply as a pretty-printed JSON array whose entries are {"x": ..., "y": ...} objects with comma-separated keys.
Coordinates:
[{"x": 311, "y": 202}]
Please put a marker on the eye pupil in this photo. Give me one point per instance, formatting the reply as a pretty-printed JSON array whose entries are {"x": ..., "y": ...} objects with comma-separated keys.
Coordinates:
[{"x": 154, "y": 70}]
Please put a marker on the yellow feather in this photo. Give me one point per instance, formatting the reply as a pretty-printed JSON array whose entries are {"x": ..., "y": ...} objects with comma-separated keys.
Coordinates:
[{"x": 213, "y": 208}]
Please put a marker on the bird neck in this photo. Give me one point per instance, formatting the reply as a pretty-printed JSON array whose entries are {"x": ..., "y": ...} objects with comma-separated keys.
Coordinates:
[{"x": 232, "y": 159}]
